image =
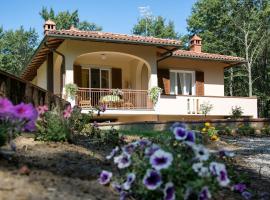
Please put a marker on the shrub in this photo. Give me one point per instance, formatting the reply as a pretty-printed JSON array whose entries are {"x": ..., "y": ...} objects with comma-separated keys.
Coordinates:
[
  {"x": 52, "y": 126},
  {"x": 245, "y": 129},
  {"x": 206, "y": 108},
  {"x": 265, "y": 130},
  {"x": 237, "y": 112},
  {"x": 175, "y": 168},
  {"x": 71, "y": 90},
  {"x": 154, "y": 93},
  {"x": 15, "y": 119}
]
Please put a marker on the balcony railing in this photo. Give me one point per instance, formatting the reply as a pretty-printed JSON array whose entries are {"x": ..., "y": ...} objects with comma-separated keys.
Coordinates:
[{"x": 114, "y": 98}]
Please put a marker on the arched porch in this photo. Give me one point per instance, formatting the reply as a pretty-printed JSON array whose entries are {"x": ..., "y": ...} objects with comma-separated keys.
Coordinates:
[{"x": 115, "y": 79}]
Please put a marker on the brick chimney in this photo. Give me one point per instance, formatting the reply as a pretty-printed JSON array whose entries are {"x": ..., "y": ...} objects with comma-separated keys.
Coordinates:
[
  {"x": 48, "y": 26},
  {"x": 196, "y": 44}
]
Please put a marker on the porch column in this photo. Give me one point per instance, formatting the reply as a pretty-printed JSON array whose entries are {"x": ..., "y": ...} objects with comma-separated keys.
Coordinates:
[
  {"x": 69, "y": 78},
  {"x": 153, "y": 78}
]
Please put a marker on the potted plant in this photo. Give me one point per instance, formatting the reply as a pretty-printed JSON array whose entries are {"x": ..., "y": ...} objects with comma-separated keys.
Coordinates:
[
  {"x": 71, "y": 91},
  {"x": 154, "y": 94}
]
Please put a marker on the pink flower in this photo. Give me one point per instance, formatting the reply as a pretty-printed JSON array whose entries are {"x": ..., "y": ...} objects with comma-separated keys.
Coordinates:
[
  {"x": 67, "y": 112},
  {"x": 5, "y": 106},
  {"x": 42, "y": 109},
  {"x": 25, "y": 112}
]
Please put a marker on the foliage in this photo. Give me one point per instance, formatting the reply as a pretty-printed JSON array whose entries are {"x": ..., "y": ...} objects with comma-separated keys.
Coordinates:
[
  {"x": 237, "y": 28},
  {"x": 265, "y": 130},
  {"x": 211, "y": 131},
  {"x": 71, "y": 90},
  {"x": 176, "y": 167},
  {"x": 16, "y": 48},
  {"x": 65, "y": 19},
  {"x": 14, "y": 119},
  {"x": 206, "y": 108},
  {"x": 245, "y": 129},
  {"x": 117, "y": 92},
  {"x": 78, "y": 120},
  {"x": 52, "y": 126},
  {"x": 237, "y": 112},
  {"x": 156, "y": 27},
  {"x": 110, "y": 98},
  {"x": 154, "y": 93}
]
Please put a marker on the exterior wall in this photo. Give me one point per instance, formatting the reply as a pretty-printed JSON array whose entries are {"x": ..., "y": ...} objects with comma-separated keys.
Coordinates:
[
  {"x": 189, "y": 105},
  {"x": 57, "y": 75},
  {"x": 72, "y": 49},
  {"x": 213, "y": 72},
  {"x": 41, "y": 78}
]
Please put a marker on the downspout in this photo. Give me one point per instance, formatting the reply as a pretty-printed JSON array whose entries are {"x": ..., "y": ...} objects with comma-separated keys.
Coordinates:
[{"x": 62, "y": 71}]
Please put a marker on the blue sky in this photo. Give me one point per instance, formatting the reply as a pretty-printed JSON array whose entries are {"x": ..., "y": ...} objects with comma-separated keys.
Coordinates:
[{"x": 117, "y": 16}]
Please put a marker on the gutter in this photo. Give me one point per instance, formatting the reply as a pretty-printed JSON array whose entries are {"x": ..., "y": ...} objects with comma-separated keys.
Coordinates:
[{"x": 167, "y": 54}]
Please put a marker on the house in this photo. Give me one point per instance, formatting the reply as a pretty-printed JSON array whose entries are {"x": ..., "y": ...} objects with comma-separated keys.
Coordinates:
[{"x": 118, "y": 70}]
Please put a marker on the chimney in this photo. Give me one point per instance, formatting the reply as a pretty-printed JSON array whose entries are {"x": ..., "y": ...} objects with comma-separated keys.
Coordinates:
[
  {"x": 49, "y": 26},
  {"x": 196, "y": 44}
]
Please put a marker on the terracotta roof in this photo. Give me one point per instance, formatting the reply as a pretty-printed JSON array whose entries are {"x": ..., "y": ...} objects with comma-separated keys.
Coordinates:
[
  {"x": 206, "y": 56},
  {"x": 98, "y": 35}
]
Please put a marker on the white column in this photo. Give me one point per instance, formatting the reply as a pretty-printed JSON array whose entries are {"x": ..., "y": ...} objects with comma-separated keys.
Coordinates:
[
  {"x": 69, "y": 69},
  {"x": 153, "y": 77}
]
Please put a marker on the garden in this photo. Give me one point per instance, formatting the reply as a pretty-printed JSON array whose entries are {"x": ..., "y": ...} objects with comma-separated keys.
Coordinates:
[{"x": 62, "y": 154}]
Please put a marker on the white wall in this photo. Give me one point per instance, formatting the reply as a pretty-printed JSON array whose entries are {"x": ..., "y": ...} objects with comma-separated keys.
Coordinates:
[{"x": 41, "y": 78}]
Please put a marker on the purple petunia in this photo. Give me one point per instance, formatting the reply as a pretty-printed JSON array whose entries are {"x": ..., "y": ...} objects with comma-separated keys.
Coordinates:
[
  {"x": 143, "y": 143},
  {"x": 224, "y": 153},
  {"x": 169, "y": 191},
  {"x": 105, "y": 177},
  {"x": 219, "y": 170},
  {"x": 246, "y": 195},
  {"x": 30, "y": 126},
  {"x": 130, "y": 179},
  {"x": 152, "y": 179},
  {"x": 117, "y": 187},
  {"x": 201, "y": 153},
  {"x": 5, "y": 106},
  {"x": 129, "y": 148},
  {"x": 176, "y": 125},
  {"x": 204, "y": 194},
  {"x": 240, "y": 187},
  {"x": 149, "y": 151},
  {"x": 25, "y": 112},
  {"x": 112, "y": 154},
  {"x": 161, "y": 159},
  {"x": 190, "y": 138},
  {"x": 122, "y": 160},
  {"x": 180, "y": 133},
  {"x": 200, "y": 169}
]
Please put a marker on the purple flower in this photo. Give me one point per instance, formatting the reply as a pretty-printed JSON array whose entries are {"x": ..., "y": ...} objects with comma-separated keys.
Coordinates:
[
  {"x": 169, "y": 191},
  {"x": 240, "y": 187},
  {"x": 130, "y": 179},
  {"x": 204, "y": 194},
  {"x": 112, "y": 154},
  {"x": 246, "y": 195},
  {"x": 176, "y": 125},
  {"x": 105, "y": 177},
  {"x": 180, "y": 133},
  {"x": 152, "y": 179},
  {"x": 130, "y": 148},
  {"x": 5, "y": 106},
  {"x": 25, "y": 112},
  {"x": 67, "y": 112},
  {"x": 122, "y": 161},
  {"x": 149, "y": 151},
  {"x": 201, "y": 153},
  {"x": 123, "y": 195},
  {"x": 215, "y": 168},
  {"x": 223, "y": 178},
  {"x": 144, "y": 143},
  {"x": 161, "y": 159},
  {"x": 200, "y": 169},
  {"x": 190, "y": 139},
  {"x": 30, "y": 126},
  {"x": 117, "y": 187},
  {"x": 224, "y": 153}
]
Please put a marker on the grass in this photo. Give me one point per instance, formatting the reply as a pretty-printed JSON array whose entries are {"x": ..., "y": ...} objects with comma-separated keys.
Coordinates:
[{"x": 146, "y": 134}]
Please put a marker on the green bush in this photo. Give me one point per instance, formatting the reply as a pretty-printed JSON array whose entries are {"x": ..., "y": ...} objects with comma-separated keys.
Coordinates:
[
  {"x": 245, "y": 129},
  {"x": 53, "y": 127},
  {"x": 265, "y": 130},
  {"x": 237, "y": 112}
]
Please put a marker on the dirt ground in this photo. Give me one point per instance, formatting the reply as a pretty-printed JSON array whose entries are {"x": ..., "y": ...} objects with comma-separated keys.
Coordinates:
[
  {"x": 70, "y": 171},
  {"x": 57, "y": 171}
]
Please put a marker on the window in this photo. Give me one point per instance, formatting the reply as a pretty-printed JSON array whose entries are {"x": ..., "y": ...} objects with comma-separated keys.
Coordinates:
[
  {"x": 182, "y": 82},
  {"x": 96, "y": 78}
]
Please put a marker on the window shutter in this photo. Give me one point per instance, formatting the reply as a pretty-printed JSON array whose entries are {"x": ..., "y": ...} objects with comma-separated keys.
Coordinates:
[
  {"x": 164, "y": 80},
  {"x": 116, "y": 78},
  {"x": 77, "y": 72},
  {"x": 199, "y": 83}
]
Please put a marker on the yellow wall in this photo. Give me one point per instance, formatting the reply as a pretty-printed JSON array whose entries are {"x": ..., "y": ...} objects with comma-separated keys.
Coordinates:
[
  {"x": 41, "y": 79},
  {"x": 213, "y": 72}
]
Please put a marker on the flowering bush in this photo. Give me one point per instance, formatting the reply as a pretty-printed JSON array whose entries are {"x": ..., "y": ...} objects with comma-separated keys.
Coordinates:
[
  {"x": 211, "y": 131},
  {"x": 176, "y": 168},
  {"x": 15, "y": 119}
]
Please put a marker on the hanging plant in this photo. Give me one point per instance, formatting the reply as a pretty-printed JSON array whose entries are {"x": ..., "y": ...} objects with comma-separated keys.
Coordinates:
[
  {"x": 71, "y": 90},
  {"x": 154, "y": 94}
]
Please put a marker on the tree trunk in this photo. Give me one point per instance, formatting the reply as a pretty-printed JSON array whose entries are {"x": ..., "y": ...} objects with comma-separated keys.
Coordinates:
[
  {"x": 231, "y": 81},
  {"x": 249, "y": 79}
]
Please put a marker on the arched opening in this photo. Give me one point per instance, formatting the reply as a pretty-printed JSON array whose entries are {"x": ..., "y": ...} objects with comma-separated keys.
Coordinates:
[{"x": 116, "y": 78}]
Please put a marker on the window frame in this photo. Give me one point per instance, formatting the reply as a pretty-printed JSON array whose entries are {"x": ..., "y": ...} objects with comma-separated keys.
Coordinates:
[{"x": 193, "y": 81}]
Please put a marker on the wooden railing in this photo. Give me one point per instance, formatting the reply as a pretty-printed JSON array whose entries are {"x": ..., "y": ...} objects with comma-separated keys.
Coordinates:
[
  {"x": 113, "y": 98},
  {"x": 19, "y": 90}
]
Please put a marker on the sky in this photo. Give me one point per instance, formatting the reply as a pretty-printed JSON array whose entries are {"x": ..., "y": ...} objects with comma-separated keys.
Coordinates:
[{"x": 116, "y": 16}]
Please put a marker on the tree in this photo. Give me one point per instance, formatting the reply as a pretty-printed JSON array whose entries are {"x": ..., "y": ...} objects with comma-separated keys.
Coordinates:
[
  {"x": 156, "y": 27},
  {"x": 16, "y": 47},
  {"x": 65, "y": 19}
]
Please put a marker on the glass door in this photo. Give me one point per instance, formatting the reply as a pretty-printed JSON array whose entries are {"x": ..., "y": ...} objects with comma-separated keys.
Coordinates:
[
  {"x": 182, "y": 82},
  {"x": 100, "y": 78}
]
